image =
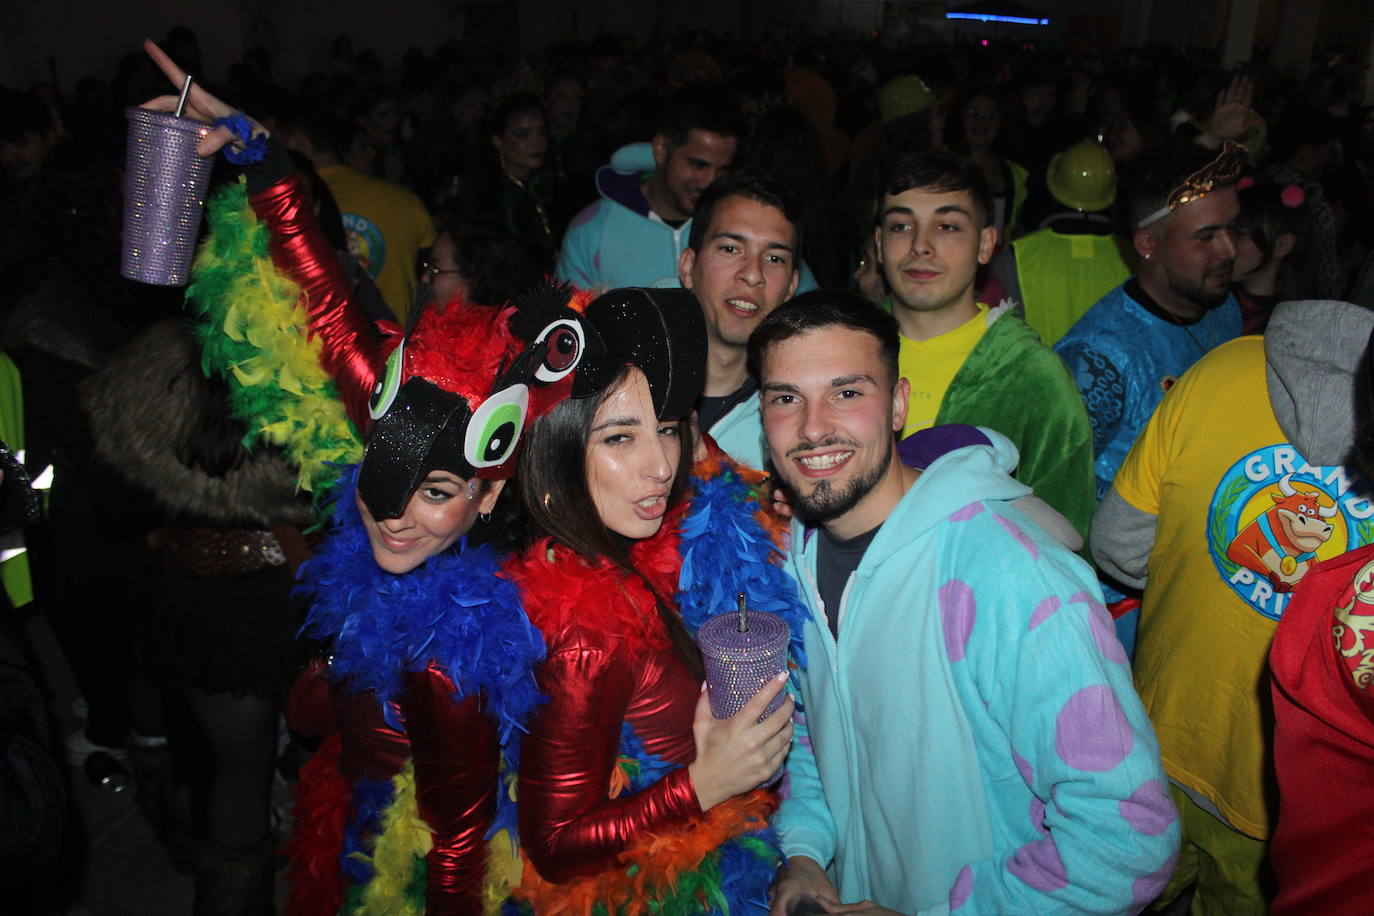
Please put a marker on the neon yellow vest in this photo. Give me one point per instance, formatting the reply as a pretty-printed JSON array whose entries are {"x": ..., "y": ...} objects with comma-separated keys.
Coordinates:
[
  {"x": 1062, "y": 276},
  {"x": 14, "y": 559}
]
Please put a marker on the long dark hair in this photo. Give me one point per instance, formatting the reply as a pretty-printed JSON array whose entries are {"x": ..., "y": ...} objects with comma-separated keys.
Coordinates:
[
  {"x": 552, "y": 477},
  {"x": 1269, "y": 211}
]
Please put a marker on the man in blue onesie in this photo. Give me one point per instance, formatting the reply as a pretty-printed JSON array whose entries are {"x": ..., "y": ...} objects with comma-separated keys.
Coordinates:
[{"x": 971, "y": 741}]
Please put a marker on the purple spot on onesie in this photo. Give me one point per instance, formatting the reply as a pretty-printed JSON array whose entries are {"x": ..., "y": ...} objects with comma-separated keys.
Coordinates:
[
  {"x": 963, "y": 886},
  {"x": 967, "y": 512},
  {"x": 957, "y": 611},
  {"x": 1091, "y": 732},
  {"x": 1038, "y": 865},
  {"x": 1021, "y": 538},
  {"x": 1145, "y": 889},
  {"x": 1024, "y": 768},
  {"x": 1044, "y": 609},
  {"x": 1149, "y": 808}
]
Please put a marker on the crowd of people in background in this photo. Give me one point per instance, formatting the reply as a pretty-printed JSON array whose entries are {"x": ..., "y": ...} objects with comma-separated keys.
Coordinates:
[{"x": 1074, "y": 250}]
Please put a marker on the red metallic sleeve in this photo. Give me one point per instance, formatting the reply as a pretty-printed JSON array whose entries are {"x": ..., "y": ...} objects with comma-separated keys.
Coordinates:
[
  {"x": 456, "y": 779},
  {"x": 372, "y": 749},
  {"x": 568, "y": 825},
  {"x": 352, "y": 346}
]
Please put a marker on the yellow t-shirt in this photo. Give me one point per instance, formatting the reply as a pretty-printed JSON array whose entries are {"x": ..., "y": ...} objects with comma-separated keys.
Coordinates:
[
  {"x": 930, "y": 365},
  {"x": 386, "y": 226},
  {"x": 1241, "y": 515}
]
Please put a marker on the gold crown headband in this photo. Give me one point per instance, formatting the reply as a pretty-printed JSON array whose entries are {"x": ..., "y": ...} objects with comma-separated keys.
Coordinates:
[{"x": 1218, "y": 173}]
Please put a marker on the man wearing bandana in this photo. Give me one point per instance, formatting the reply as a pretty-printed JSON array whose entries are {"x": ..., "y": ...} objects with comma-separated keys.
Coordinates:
[{"x": 1130, "y": 347}]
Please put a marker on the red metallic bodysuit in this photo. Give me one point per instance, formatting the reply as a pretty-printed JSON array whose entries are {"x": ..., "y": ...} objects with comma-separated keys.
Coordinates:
[
  {"x": 457, "y": 757},
  {"x": 453, "y": 745},
  {"x": 609, "y": 661},
  {"x": 352, "y": 347}
]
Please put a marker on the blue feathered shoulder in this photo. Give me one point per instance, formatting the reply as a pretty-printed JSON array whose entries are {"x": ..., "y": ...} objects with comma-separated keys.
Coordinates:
[
  {"x": 726, "y": 551},
  {"x": 455, "y": 611}
]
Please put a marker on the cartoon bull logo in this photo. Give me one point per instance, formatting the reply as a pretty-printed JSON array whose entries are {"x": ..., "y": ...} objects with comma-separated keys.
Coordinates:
[{"x": 1281, "y": 543}]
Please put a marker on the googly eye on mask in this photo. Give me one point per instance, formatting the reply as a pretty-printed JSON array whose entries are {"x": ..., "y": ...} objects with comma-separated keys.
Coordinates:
[
  {"x": 494, "y": 429},
  {"x": 384, "y": 392}
]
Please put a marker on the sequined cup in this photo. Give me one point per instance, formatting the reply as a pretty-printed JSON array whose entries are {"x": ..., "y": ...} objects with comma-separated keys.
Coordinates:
[
  {"x": 164, "y": 194},
  {"x": 739, "y": 664}
]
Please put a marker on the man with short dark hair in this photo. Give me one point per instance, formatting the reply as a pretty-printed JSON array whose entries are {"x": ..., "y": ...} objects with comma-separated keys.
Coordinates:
[
  {"x": 966, "y": 362},
  {"x": 742, "y": 261},
  {"x": 633, "y": 235},
  {"x": 971, "y": 736},
  {"x": 1131, "y": 347},
  {"x": 1138, "y": 339}
]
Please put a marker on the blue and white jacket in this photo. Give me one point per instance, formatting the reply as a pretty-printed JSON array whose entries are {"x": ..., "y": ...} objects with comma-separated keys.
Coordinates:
[{"x": 618, "y": 241}]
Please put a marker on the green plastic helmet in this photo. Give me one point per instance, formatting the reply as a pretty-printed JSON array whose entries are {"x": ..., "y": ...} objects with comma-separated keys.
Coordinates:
[
  {"x": 1083, "y": 177},
  {"x": 902, "y": 96}
]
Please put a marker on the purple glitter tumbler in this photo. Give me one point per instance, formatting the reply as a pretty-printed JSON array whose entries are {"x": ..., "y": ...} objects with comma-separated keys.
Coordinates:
[
  {"x": 165, "y": 181},
  {"x": 743, "y": 651}
]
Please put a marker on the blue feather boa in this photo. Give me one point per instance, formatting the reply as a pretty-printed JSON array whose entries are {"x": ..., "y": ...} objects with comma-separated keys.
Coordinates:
[
  {"x": 455, "y": 610},
  {"x": 726, "y": 551},
  {"x": 371, "y": 798}
]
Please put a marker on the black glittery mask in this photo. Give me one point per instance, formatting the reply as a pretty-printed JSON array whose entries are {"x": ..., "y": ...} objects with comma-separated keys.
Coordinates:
[{"x": 420, "y": 427}]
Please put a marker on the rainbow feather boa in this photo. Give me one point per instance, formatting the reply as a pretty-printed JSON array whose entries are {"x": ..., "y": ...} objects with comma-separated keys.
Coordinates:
[
  {"x": 253, "y": 333},
  {"x": 723, "y": 862},
  {"x": 729, "y": 545},
  {"x": 455, "y": 610},
  {"x": 384, "y": 844}
]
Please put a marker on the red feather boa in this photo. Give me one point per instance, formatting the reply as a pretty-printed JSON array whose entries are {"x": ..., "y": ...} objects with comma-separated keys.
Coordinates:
[{"x": 321, "y": 807}]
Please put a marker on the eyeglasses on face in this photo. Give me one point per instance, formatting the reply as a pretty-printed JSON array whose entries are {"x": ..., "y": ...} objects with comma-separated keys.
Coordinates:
[{"x": 427, "y": 269}]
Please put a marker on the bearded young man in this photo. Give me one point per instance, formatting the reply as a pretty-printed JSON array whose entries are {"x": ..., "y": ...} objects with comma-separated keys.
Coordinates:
[
  {"x": 1130, "y": 347},
  {"x": 971, "y": 738},
  {"x": 1136, "y": 342}
]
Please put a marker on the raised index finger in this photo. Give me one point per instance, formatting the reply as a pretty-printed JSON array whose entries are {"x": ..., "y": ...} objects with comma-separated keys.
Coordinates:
[
  {"x": 165, "y": 64},
  {"x": 198, "y": 99}
]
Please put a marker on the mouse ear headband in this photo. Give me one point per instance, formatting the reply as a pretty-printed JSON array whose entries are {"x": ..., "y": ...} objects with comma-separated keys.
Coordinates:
[{"x": 659, "y": 331}]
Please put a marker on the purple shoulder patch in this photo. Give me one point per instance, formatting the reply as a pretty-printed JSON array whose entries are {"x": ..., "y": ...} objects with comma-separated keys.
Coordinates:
[{"x": 920, "y": 449}]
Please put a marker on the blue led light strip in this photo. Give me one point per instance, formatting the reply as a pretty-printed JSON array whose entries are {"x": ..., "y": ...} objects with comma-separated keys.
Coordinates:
[{"x": 992, "y": 17}]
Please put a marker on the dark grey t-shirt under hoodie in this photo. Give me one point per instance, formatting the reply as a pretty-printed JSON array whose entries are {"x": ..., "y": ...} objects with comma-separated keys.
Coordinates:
[{"x": 836, "y": 561}]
